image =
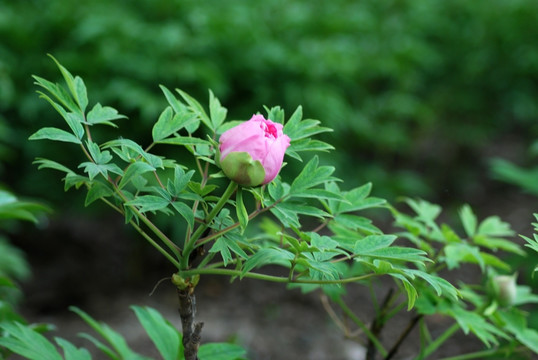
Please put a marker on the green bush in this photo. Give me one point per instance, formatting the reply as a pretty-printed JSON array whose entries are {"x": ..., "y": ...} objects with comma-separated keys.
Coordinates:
[{"x": 414, "y": 89}]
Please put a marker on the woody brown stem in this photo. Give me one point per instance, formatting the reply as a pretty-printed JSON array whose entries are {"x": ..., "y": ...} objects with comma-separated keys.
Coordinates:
[{"x": 191, "y": 329}]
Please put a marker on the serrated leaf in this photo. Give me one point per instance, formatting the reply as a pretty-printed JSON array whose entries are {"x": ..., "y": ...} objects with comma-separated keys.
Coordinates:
[
  {"x": 223, "y": 245},
  {"x": 103, "y": 115},
  {"x": 357, "y": 199},
  {"x": 93, "y": 169},
  {"x": 166, "y": 338},
  {"x": 55, "y": 134},
  {"x": 134, "y": 170},
  {"x": 311, "y": 176},
  {"x": 461, "y": 252},
  {"x": 493, "y": 226}
]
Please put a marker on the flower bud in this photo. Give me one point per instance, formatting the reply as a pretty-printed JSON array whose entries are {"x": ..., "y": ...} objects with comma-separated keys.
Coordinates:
[
  {"x": 252, "y": 152},
  {"x": 505, "y": 289}
]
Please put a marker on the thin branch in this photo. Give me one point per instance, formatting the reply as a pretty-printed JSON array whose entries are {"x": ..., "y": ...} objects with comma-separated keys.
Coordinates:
[{"x": 402, "y": 336}]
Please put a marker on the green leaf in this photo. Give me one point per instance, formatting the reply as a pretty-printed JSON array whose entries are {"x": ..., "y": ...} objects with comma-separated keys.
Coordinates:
[
  {"x": 149, "y": 203},
  {"x": 97, "y": 191},
  {"x": 103, "y": 115},
  {"x": 223, "y": 245},
  {"x": 134, "y": 170},
  {"x": 217, "y": 112},
  {"x": 373, "y": 242},
  {"x": 494, "y": 227},
  {"x": 496, "y": 244},
  {"x": 115, "y": 340},
  {"x": 185, "y": 211},
  {"x": 58, "y": 92},
  {"x": 184, "y": 140},
  {"x": 357, "y": 199},
  {"x": 55, "y": 134},
  {"x": 267, "y": 256},
  {"x": 28, "y": 343},
  {"x": 75, "y": 84},
  {"x": 122, "y": 144},
  {"x": 165, "y": 337},
  {"x": 242, "y": 214},
  {"x": 468, "y": 219},
  {"x": 81, "y": 94},
  {"x": 168, "y": 123},
  {"x": 196, "y": 108},
  {"x": 426, "y": 211},
  {"x": 515, "y": 322},
  {"x": 397, "y": 253},
  {"x": 93, "y": 169},
  {"x": 71, "y": 352},
  {"x": 462, "y": 252},
  {"x": 221, "y": 351},
  {"x": 311, "y": 175}
]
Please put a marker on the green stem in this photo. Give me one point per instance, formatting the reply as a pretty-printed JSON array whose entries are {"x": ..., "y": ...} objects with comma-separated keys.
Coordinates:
[
  {"x": 155, "y": 244},
  {"x": 189, "y": 246},
  {"x": 271, "y": 278},
  {"x": 480, "y": 354},
  {"x": 439, "y": 341},
  {"x": 373, "y": 339},
  {"x": 169, "y": 243}
]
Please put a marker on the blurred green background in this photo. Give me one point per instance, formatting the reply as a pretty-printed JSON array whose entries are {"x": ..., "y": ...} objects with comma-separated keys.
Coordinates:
[
  {"x": 421, "y": 96},
  {"x": 420, "y": 93}
]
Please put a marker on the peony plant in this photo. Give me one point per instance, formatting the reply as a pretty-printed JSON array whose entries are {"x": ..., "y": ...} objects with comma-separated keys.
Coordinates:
[{"x": 240, "y": 213}]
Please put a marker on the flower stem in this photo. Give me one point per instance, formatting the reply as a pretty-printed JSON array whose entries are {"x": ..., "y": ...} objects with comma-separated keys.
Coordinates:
[
  {"x": 439, "y": 341},
  {"x": 189, "y": 246}
]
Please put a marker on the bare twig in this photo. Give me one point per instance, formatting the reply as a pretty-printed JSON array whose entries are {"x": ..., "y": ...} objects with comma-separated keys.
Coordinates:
[{"x": 191, "y": 330}]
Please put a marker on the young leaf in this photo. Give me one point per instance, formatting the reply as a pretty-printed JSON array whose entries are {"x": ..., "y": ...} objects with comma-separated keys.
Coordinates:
[
  {"x": 55, "y": 134},
  {"x": 196, "y": 108},
  {"x": 312, "y": 175},
  {"x": 169, "y": 123},
  {"x": 165, "y": 337},
  {"x": 216, "y": 111},
  {"x": 103, "y": 115}
]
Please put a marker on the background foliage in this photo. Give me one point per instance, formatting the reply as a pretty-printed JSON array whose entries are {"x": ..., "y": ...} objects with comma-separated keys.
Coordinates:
[{"x": 416, "y": 91}]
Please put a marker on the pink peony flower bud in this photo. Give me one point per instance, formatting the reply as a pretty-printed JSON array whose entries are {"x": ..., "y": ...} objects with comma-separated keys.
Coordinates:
[{"x": 251, "y": 153}]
